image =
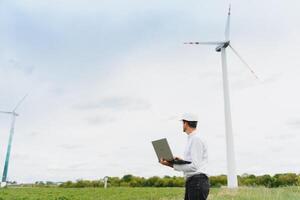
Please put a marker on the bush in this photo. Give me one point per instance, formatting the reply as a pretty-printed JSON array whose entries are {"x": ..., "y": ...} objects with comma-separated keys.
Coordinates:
[{"x": 288, "y": 179}]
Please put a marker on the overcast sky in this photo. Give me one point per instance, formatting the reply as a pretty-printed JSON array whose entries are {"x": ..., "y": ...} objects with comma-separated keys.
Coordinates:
[{"x": 105, "y": 78}]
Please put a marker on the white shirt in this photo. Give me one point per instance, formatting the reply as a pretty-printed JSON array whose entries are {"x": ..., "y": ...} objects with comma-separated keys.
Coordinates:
[{"x": 195, "y": 152}]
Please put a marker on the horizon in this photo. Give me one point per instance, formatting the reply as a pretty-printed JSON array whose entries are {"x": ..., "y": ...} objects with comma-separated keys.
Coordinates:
[{"x": 162, "y": 176}]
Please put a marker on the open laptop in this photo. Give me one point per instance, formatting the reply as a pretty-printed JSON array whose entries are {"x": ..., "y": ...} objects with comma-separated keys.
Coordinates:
[{"x": 162, "y": 150}]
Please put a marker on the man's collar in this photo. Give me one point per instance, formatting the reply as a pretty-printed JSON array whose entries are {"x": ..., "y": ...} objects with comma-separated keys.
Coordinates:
[{"x": 192, "y": 133}]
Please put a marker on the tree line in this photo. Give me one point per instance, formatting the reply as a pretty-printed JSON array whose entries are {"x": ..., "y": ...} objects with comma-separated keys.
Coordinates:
[{"x": 277, "y": 180}]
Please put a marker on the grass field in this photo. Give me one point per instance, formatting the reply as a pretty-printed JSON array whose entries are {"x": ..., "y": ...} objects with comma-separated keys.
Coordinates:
[{"x": 285, "y": 193}]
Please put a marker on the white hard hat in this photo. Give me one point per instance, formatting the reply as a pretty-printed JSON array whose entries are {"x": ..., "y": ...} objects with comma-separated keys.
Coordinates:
[{"x": 189, "y": 117}]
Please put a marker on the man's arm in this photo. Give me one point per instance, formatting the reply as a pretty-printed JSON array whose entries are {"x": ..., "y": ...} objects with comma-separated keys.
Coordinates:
[{"x": 196, "y": 154}]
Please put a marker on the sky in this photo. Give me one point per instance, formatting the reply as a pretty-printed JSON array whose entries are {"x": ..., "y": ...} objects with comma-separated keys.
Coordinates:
[{"x": 105, "y": 78}]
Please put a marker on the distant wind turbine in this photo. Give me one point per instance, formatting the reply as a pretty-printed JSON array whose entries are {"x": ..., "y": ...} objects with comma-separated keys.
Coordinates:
[
  {"x": 221, "y": 47},
  {"x": 105, "y": 179},
  {"x": 14, "y": 115}
]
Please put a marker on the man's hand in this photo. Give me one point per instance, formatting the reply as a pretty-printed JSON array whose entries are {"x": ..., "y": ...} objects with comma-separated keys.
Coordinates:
[
  {"x": 177, "y": 158},
  {"x": 165, "y": 162}
]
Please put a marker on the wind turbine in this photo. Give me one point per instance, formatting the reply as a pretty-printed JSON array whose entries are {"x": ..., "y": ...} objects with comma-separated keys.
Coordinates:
[
  {"x": 12, "y": 127},
  {"x": 221, "y": 47},
  {"x": 105, "y": 179}
]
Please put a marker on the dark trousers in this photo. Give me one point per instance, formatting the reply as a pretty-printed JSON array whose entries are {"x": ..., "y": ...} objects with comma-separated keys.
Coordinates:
[{"x": 197, "y": 187}]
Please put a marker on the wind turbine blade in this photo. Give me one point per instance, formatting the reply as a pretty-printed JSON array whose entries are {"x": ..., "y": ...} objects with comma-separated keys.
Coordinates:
[
  {"x": 204, "y": 43},
  {"x": 5, "y": 112},
  {"x": 227, "y": 28},
  {"x": 20, "y": 103},
  {"x": 243, "y": 61}
]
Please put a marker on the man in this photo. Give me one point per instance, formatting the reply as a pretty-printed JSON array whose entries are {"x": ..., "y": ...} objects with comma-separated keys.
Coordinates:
[{"x": 197, "y": 182}]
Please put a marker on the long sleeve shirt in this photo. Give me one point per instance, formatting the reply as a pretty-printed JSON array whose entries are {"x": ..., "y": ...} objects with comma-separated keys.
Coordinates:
[{"x": 195, "y": 152}]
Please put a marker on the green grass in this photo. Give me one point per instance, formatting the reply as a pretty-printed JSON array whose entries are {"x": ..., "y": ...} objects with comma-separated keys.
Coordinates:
[{"x": 247, "y": 193}]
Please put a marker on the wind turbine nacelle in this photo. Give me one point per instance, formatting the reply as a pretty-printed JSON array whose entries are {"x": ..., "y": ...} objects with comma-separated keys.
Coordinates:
[{"x": 223, "y": 45}]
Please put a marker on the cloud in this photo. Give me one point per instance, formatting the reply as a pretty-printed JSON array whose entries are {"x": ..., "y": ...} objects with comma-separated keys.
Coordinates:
[
  {"x": 78, "y": 166},
  {"x": 294, "y": 123},
  {"x": 97, "y": 120},
  {"x": 115, "y": 104},
  {"x": 26, "y": 68},
  {"x": 33, "y": 133},
  {"x": 70, "y": 146},
  {"x": 280, "y": 137},
  {"x": 20, "y": 156}
]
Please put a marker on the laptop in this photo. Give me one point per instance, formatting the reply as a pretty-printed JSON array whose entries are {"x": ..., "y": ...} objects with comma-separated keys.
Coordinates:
[{"x": 162, "y": 150}]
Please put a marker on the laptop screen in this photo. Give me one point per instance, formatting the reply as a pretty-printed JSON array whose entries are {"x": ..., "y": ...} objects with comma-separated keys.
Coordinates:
[{"x": 162, "y": 149}]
